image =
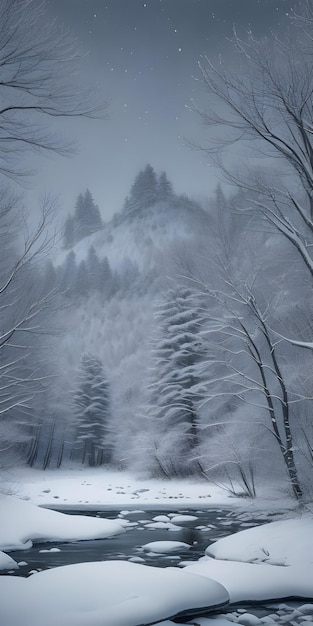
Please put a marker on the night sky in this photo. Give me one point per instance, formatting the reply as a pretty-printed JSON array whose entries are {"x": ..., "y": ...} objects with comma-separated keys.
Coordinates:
[{"x": 143, "y": 57}]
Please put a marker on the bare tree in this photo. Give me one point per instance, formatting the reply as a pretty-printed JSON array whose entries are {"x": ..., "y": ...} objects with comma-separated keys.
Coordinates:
[
  {"x": 38, "y": 63},
  {"x": 249, "y": 378},
  {"x": 266, "y": 103},
  {"x": 247, "y": 370},
  {"x": 27, "y": 307}
]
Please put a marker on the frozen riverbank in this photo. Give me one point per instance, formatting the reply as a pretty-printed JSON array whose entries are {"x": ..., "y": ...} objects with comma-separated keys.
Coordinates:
[
  {"x": 100, "y": 489},
  {"x": 273, "y": 561}
]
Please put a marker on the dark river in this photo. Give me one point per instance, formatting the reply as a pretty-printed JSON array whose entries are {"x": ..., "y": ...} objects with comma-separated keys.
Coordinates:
[
  {"x": 209, "y": 525},
  {"x": 213, "y": 523}
]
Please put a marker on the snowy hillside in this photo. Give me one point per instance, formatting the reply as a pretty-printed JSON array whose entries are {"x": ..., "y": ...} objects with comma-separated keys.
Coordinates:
[
  {"x": 111, "y": 278},
  {"x": 144, "y": 235}
]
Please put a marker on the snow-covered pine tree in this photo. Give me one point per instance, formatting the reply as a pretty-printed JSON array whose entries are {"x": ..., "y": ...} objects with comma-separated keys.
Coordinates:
[
  {"x": 87, "y": 218},
  {"x": 69, "y": 232},
  {"x": 176, "y": 384},
  {"x": 144, "y": 192},
  {"x": 92, "y": 411},
  {"x": 49, "y": 275},
  {"x": 106, "y": 283},
  {"x": 68, "y": 273},
  {"x": 165, "y": 188},
  {"x": 82, "y": 284},
  {"x": 93, "y": 269}
]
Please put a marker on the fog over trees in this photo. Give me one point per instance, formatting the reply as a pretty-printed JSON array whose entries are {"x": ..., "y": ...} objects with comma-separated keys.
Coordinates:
[
  {"x": 35, "y": 59},
  {"x": 175, "y": 339}
]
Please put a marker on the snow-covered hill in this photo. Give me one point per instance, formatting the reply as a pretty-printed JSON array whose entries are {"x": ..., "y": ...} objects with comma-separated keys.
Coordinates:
[
  {"x": 117, "y": 325},
  {"x": 142, "y": 236}
]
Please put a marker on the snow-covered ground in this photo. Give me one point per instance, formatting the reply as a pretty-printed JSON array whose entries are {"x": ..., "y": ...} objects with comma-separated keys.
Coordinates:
[
  {"x": 272, "y": 561},
  {"x": 99, "y": 489}
]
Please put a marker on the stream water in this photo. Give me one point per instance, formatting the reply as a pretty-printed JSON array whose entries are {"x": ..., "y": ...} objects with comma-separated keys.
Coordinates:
[{"x": 209, "y": 525}]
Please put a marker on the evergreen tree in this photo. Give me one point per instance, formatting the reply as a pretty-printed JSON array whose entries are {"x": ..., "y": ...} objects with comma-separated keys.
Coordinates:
[
  {"x": 68, "y": 273},
  {"x": 144, "y": 192},
  {"x": 86, "y": 219},
  {"x": 82, "y": 285},
  {"x": 69, "y": 232},
  {"x": 128, "y": 274},
  {"x": 175, "y": 390},
  {"x": 165, "y": 187},
  {"x": 92, "y": 411},
  {"x": 106, "y": 282},
  {"x": 94, "y": 221},
  {"x": 87, "y": 216},
  {"x": 79, "y": 213},
  {"x": 93, "y": 268},
  {"x": 49, "y": 276}
]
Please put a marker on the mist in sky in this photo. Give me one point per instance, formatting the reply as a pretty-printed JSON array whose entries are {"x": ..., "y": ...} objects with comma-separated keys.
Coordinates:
[{"x": 142, "y": 56}]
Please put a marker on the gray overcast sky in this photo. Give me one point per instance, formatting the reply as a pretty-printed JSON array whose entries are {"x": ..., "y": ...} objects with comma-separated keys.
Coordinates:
[{"x": 143, "y": 56}]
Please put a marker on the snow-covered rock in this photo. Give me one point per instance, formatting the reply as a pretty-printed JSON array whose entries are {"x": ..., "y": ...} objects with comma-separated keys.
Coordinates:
[
  {"x": 183, "y": 519},
  {"x": 287, "y": 542},
  {"x": 23, "y": 523},
  {"x": 6, "y": 562},
  {"x": 161, "y": 518},
  {"x": 164, "y": 547},
  {"x": 162, "y": 526},
  {"x": 278, "y": 561},
  {"x": 249, "y": 582},
  {"x": 111, "y": 593}
]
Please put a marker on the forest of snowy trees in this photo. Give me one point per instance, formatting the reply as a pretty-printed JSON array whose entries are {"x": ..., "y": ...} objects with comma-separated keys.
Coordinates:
[{"x": 176, "y": 339}]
